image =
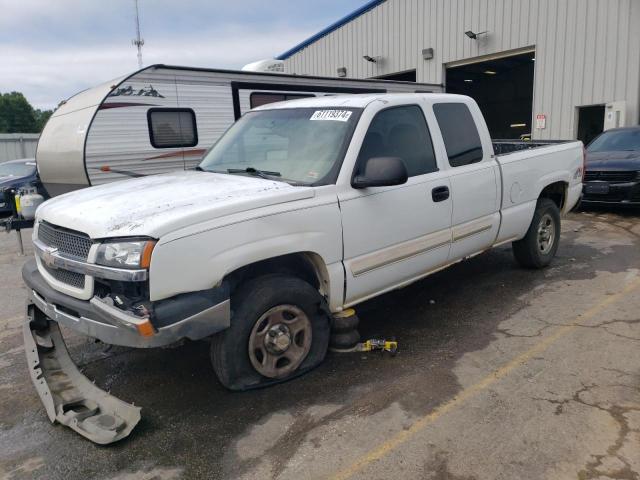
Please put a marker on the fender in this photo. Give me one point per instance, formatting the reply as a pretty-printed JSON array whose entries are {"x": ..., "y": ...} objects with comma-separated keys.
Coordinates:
[
  {"x": 208, "y": 257},
  {"x": 551, "y": 178}
]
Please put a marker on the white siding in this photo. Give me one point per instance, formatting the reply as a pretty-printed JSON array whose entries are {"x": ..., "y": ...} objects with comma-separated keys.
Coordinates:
[{"x": 587, "y": 51}]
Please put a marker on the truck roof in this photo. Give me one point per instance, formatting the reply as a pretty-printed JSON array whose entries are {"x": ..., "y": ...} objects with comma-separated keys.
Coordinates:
[{"x": 359, "y": 100}]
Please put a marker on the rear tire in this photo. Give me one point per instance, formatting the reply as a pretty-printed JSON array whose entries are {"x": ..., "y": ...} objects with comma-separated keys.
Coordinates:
[
  {"x": 540, "y": 244},
  {"x": 279, "y": 330}
]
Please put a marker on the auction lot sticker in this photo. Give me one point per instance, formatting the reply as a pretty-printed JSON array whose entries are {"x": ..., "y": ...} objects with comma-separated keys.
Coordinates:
[{"x": 337, "y": 115}]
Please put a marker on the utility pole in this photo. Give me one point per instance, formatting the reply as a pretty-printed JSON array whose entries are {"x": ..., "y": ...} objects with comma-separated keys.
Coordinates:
[{"x": 138, "y": 41}]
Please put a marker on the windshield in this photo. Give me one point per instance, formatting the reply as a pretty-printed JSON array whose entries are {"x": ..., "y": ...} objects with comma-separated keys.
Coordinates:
[
  {"x": 616, "y": 140},
  {"x": 18, "y": 169},
  {"x": 300, "y": 146}
]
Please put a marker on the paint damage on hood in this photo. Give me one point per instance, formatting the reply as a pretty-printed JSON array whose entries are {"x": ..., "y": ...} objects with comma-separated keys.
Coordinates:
[{"x": 155, "y": 205}]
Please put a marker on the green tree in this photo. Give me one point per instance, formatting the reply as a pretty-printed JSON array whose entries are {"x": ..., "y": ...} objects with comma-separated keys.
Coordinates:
[
  {"x": 18, "y": 116},
  {"x": 41, "y": 118}
]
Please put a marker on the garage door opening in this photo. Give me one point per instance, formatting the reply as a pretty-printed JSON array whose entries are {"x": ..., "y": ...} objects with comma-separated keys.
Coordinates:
[
  {"x": 590, "y": 122},
  {"x": 503, "y": 88},
  {"x": 408, "y": 76}
]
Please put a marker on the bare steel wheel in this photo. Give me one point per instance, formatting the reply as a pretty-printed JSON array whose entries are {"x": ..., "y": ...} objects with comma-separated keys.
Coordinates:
[
  {"x": 280, "y": 341},
  {"x": 280, "y": 329},
  {"x": 546, "y": 233}
]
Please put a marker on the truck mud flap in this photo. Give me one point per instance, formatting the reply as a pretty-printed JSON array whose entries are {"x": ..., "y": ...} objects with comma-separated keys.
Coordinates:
[{"x": 69, "y": 397}]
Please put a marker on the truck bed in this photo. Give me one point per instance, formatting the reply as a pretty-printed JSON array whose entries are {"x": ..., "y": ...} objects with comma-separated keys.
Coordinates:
[{"x": 503, "y": 147}]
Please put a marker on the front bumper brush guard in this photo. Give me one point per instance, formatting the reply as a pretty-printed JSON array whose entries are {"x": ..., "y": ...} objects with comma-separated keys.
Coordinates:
[{"x": 68, "y": 396}]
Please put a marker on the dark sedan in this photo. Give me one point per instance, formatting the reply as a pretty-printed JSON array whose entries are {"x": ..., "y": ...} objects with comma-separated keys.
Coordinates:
[
  {"x": 16, "y": 174},
  {"x": 613, "y": 168}
]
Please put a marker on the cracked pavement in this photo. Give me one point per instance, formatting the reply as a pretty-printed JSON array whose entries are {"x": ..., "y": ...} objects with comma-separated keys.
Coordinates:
[{"x": 503, "y": 373}]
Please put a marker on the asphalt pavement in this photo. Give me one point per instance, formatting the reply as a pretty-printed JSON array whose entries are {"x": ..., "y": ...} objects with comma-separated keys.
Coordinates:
[{"x": 503, "y": 373}]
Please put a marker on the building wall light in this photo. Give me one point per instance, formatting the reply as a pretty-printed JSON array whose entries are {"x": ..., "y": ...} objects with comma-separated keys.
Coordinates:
[{"x": 474, "y": 36}]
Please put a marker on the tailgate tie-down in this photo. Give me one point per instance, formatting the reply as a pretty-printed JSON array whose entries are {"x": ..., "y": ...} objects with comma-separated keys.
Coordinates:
[{"x": 69, "y": 397}]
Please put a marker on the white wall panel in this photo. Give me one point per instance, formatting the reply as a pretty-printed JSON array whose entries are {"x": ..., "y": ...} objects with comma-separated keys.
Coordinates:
[{"x": 587, "y": 51}]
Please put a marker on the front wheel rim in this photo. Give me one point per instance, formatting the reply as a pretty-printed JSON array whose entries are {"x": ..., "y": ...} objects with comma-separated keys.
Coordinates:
[
  {"x": 280, "y": 340},
  {"x": 546, "y": 234}
]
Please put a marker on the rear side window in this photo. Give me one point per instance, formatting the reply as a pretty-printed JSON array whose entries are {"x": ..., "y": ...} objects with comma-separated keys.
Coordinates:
[
  {"x": 400, "y": 132},
  {"x": 257, "y": 99},
  {"x": 459, "y": 133},
  {"x": 172, "y": 127}
]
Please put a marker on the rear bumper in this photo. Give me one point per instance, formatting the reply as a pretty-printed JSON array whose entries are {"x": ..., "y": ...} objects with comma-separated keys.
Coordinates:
[
  {"x": 618, "y": 193},
  {"x": 194, "y": 315}
]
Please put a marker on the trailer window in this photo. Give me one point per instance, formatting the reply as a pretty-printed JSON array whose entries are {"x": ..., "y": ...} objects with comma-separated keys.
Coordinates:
[
  {"x": 459, "y": 133},
  {"x": 257, "y": 99},
  {"x": 172, "y": 127}
]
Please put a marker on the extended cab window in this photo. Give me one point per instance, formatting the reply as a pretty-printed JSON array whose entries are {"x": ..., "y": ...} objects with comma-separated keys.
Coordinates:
[
  {"x": 459, "y": 133},
  {"x": 400, "y": 132},
  {"x": 172, "y": 127}
]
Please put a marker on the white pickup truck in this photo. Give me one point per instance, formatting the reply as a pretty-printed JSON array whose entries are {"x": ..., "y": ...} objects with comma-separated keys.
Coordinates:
[{"x": 300, "y": 210}]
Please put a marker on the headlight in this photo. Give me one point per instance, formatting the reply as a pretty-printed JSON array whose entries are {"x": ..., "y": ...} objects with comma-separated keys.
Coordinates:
[{"x": 135, "y": 254}]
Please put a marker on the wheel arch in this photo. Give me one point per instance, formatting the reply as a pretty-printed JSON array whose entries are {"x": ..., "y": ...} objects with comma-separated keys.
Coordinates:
[
  {"x": 308, "y": 266},
  {"x": 557, "y": 192}
]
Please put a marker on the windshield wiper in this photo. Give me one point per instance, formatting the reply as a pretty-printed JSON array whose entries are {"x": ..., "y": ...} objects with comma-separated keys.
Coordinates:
[
  {"x": 266, "y": 174},
  {"x": 260, "y": 173}
]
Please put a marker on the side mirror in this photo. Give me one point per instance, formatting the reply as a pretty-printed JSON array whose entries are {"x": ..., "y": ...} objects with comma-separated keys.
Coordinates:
[{"x": 381, "y": 172}]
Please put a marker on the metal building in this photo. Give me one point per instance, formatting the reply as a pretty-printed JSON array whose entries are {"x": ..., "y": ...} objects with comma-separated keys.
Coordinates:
[
  {"x": 18, "y": 145},
  {"x": 550, "y": 68}
]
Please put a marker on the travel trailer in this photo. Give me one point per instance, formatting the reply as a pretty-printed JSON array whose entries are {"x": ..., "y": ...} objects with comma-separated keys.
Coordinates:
[{"x": 164, "y": 118}]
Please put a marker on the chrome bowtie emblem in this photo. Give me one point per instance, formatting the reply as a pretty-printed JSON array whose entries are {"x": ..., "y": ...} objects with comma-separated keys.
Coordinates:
[{"x": 47, "y": 257}]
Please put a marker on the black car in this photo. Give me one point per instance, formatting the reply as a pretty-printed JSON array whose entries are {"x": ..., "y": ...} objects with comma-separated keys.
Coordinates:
[
  {"x": 613, "y": 168},
  {"x": 16, "y": 174}
]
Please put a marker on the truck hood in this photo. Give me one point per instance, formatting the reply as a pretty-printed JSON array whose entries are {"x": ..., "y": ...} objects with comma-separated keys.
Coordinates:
[
  {"x": 155, "y": 205},
  {"x": 613, "y": 160}
]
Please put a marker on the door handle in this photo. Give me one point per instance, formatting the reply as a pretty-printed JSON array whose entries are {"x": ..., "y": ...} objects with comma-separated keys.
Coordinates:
[{"x": 440, "y": 194}]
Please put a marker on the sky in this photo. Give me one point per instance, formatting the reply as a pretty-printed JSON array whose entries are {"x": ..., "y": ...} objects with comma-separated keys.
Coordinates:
[{"x": 52, "y": 49}]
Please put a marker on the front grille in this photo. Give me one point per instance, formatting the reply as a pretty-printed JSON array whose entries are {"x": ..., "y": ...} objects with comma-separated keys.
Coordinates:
[
  {"x": 72, "y": 279},
  {"x": 609, "y": 176},
  {"x": 69, "y": 242},
  {"x": 615, "y": 196}
]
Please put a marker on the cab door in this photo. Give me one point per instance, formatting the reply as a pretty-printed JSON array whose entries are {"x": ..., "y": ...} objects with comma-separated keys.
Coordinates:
[
  {"x": 474, "y": 176},
  {"x": 393, "y": 235}
]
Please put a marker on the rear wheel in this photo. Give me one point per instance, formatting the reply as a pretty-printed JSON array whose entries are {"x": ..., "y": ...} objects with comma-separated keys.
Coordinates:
[
  {"x": 540, "y": 244},
  {"x": 279, "y": 330}
]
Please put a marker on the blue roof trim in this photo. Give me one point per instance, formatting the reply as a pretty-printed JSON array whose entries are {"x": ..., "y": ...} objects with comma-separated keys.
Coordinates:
[{"x": 334, "y": 26}]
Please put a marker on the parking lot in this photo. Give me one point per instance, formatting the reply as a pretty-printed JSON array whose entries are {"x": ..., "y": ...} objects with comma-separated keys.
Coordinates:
[{"x": 503, "y": 373}]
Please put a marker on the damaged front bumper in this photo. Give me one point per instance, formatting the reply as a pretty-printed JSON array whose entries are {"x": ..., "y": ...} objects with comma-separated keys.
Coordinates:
[
  {"x": 69, "y": 397},
  {"x": 191, "y": 315}
]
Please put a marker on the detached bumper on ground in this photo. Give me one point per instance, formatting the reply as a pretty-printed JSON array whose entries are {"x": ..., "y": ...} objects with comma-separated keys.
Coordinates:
[{"x": 69, "y": 397}]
